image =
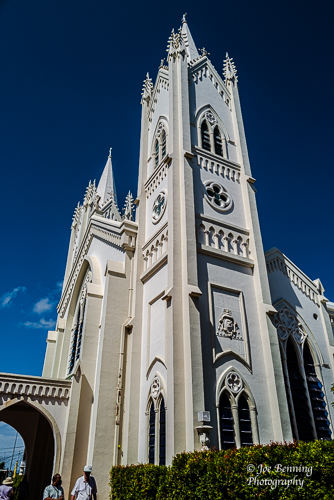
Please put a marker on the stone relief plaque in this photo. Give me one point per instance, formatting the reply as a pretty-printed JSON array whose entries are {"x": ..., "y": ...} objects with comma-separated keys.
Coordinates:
[{"x": 228, "y": 323}]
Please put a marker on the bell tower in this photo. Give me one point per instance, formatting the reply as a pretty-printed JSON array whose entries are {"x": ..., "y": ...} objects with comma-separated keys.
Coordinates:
[{"x": 202, "y": 332}]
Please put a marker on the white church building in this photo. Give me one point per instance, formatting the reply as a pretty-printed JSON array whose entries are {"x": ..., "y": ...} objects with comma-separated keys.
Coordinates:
[{"x": 175, "y": 330}]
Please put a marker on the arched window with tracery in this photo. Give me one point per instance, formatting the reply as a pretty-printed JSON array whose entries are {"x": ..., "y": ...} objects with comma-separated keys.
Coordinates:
[
  {"x": 227, "y": 433},
  {"x": 218, "y": 141},
  {"x": 151, "y": 435},
  {"x": 205, "y": 136},
  {"x": 245, "y": 424}
]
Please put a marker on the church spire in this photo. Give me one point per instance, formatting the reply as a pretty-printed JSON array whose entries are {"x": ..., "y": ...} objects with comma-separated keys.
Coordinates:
[
  {"x": 106, "y": 187},
  {"x": 192, "y": 52}
]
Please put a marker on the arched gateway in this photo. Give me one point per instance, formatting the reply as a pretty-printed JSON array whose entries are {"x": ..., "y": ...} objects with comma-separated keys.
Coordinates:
[{"x": 35, "y": 408}]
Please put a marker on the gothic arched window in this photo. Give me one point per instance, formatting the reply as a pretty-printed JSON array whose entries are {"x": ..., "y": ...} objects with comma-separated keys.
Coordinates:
[
  {"x": 245, "y": 425},
  {"x": 151, "y": 435},
  {"x": 316, "y": 393},
  {"x": 163, "y": 143},
  {"x": 205, "y": 136},
  {"x": 218, "y": 142},
  {"x": 156, "y": 149},
  {"x": 299, "y": 394},
  {"x": 226, "y": 423},
  {"x": 162, "y": 434}
]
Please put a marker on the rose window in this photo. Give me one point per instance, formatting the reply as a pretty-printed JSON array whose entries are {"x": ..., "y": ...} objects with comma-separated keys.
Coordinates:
[
  {"x": 159, "y": 206},
  {"x": 217, "y": 196}
]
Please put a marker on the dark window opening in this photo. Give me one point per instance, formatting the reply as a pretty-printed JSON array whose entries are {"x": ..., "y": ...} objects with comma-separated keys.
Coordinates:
[
  {"x": 151, "y": 436},
  {"x": 226, "y": 423},
  {"x": 316, "y": 396},
  {"x": 205, "y": 136},
  {"x": 156, "y": 153},
  {"x": 245, "y": 424},
  {"x": 299, "y": 396},
  {"x": 162, "y": 434},
  {"x": 218, "y": 142},
  {"x": 163, "y": 143}
]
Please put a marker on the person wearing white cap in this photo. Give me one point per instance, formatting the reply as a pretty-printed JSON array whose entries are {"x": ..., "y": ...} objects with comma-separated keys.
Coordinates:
[
  {"x": 6, "y": 489},
  {"x": 85, "y": 486}
]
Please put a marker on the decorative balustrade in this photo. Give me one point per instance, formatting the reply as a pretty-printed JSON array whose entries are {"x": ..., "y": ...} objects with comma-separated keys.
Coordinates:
[
  {"x": 33, "y": 387},
  {"x": 153, "y": 251},
  {"x": 231, "y": 242},
  {"x": 219, "y": 166}
]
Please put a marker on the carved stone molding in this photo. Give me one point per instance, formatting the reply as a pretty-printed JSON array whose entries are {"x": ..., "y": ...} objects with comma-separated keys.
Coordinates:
[{"x": 159, "y": 206}]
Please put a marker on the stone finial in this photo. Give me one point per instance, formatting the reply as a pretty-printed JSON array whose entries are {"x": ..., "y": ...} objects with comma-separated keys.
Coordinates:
[
  {"x": 162, "y": 63},
  {"x": 184, "y": 18},
  {"x": 110, "y": 149},
  {"x": 128, "y": 207},
  {"x": 229, "y": 69},
  {"x": 147, "y": 88},
  {"x": 175, "y": 45}
]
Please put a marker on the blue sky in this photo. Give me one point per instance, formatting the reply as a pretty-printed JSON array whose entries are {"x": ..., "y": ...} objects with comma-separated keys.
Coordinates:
[{"x": 72, "y": 74}]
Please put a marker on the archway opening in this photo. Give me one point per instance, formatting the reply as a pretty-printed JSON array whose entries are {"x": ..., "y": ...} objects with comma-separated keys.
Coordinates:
[{"x": 37, "y": 434}]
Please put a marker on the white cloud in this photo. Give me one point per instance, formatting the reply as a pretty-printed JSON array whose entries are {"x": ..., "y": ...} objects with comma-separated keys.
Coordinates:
[
  {"x": 43, "y": 305},
  {"x": 8, "y": 297},
  {"x": 59, "y": 284},
  {"x": 42, "y": 323}
]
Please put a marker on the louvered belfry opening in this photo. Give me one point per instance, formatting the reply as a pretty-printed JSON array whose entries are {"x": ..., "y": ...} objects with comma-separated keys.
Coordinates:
[
  {"x": 77, "y": 337},
  {"x": 226, "y": 423},
  {"x": 315, "y": 389},
  {"x": 163, "y": 143},
  {"x": 299, "y": 396},
  {"x": 205, "y": 136},
  {"x": 245, "y": 425},
  {"x": 218, "y": 142},
  {"x": 151, "y": 435},
  {"x": 156, "y": 148},
  {"x": 162, "y": 434}
]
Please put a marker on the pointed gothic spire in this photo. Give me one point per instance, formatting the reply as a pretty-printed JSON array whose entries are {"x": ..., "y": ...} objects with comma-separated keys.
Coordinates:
[
  {"x": 192, "y": 52},
  {"x": 106, "y": 187},
  {"x": 229, "y": 70},
  {"x": 175, "y": 44}
]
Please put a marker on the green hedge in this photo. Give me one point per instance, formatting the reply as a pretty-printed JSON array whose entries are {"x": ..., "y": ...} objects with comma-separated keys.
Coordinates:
[
  {"x": 227, "y": 475},
  {"x": 16, "y": 483}
]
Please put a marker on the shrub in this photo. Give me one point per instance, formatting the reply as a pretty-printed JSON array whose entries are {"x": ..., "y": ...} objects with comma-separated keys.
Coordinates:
[{"x": 308, "y": 473}]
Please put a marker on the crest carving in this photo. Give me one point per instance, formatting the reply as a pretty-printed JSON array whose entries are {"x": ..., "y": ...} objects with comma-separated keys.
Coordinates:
[
  {"x": 228, "y": 327},
  {"x": 211, "y": 118}
]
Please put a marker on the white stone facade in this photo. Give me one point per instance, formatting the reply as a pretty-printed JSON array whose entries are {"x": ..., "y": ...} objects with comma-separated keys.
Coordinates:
[{"x": 180, "y": 311}]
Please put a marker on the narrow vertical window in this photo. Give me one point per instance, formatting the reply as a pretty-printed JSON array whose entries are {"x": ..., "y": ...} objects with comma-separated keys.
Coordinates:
[
  {"x": 218, "y": 142},
  {"x": 156, "y": 153},
  {"x": 162, "y": 434},
  {"x": 245, "y": 425},
  {"x": 151, "y": 436},
  {"x": 205, "y": 136},
  {"x": 299, "y": 396},
  {"x": 163, "y": 143},
  {"x": 77, "y": 336},
  {"x": 318, "y": 403},
  {"x": 226, "y": 423}
]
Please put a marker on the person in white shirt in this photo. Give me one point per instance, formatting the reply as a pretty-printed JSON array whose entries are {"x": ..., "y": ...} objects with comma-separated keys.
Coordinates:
[
  {"x": 85, "y": 486},
  {"x": 6, "y": 489}
]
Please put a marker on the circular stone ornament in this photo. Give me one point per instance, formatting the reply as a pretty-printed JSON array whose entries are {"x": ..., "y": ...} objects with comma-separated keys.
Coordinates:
[
  {"x": 159, "y": 206},
  {"x": 234, "y": 382},
  {"x": 217, "y": 196},
  {"x": 155, "y": 387}
]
